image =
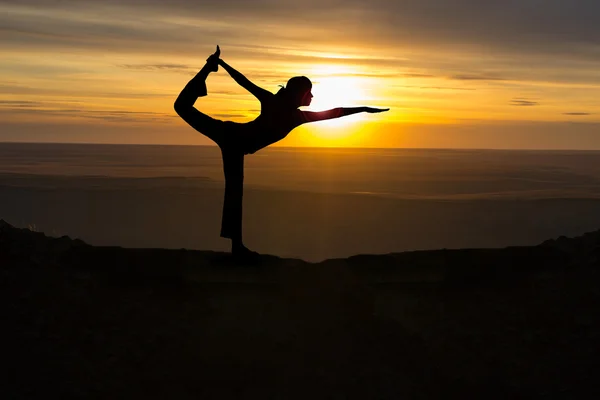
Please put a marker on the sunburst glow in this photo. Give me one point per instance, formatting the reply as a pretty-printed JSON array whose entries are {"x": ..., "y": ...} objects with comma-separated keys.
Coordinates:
[{"x": 336, "y": 86}]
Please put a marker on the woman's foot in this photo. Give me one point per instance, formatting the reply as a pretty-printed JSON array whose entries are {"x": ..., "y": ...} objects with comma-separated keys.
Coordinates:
[
  {"x": 241, "y": 252},
  {"x": 213, "y": 61}
]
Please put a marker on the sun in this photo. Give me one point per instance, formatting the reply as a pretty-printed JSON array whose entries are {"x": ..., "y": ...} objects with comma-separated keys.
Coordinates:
[
  {"x": 336, "y": 87},
  {"x": 334, "y": 92}
]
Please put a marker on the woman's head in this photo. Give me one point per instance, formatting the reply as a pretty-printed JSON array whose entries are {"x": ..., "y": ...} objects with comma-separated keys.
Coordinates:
[{"x": 298, "y": 91}]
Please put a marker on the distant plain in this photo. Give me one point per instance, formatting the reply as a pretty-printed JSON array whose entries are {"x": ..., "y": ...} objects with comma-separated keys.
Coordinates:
[{"x": 306, "y": 203}]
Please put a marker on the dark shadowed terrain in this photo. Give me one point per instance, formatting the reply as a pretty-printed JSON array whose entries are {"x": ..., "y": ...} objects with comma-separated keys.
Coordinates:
[{"x": 105, "y": 323}]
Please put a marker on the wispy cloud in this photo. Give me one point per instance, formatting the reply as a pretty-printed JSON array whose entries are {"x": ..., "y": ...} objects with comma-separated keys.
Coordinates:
[
  {"x": 417, "y": 75},
  {"x": 122, "y": 116},
  {"x": 510, "y": 24},
  {"x": 577, "y": 113},
  {"x": 227, "y": 115},
  {"x": 475, "y": 77},
  {"x": 436, "y": 87},
  {"x": 522, "y": 27},
  {"x": 180, "y": 68},
  {"x": 523, "y": 102},
  {"x": 19, "y": 104},
  {"x": 27, "y": 90}
]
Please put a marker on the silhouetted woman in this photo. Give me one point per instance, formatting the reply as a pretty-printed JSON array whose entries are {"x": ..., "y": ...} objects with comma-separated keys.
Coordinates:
[{"x": 279, "y": 114}]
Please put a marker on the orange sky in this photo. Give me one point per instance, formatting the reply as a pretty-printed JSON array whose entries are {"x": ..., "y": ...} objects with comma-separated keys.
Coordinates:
[{"x": 471, "y": 75}]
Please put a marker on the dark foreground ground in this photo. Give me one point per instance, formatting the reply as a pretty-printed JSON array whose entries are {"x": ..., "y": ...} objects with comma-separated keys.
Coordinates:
[{"x": 109, "y": 323}]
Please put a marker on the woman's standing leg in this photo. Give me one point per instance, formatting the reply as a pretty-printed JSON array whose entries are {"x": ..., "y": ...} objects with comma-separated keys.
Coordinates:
[
  {"x": 233, "y": 168},
  {"x": 231, "y": 223}
]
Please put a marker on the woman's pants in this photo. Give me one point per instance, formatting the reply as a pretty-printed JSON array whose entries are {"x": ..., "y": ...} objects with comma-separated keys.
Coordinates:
[{"x": 233, "y": 167}]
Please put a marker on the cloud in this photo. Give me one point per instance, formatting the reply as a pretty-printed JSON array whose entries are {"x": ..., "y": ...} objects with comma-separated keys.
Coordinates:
[
  {"x": 526, "y": 27},
  {"x": 17, "y": 89},
  {"x": 523, "y": 103},
  {"x": 475, "y": 77},
  {"x": 381, "y": 75},
  {"x": 226, "y": 115},
  {"x": 519, "y": 41},
  {"x": 435, "y": 87},
  {"x": 180, "y": 68},
  {"x": 577, "y": 113},
  {"x": 417, "y": 75},
  {"x": 105, "y": 115},
  {"x": 21, "y": 104},
  {"x": 125, "y": 116}
]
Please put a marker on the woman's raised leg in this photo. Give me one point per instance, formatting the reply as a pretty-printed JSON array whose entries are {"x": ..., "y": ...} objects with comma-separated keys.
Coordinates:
[{"x": 196, "y": 87}]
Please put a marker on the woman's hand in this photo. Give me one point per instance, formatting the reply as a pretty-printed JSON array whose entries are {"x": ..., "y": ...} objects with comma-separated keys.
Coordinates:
[
  {"x": 373, "y": 110},
  {"x": 215, "y": 56}
]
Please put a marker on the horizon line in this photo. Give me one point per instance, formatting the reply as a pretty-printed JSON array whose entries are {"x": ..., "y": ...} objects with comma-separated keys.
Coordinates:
[{"x": 309, "y": 147}]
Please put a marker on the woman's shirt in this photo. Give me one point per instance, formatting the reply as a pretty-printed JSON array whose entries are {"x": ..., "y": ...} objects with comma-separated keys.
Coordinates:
[
  {"x": 276, "y": 120},
  {"x": 274, "y": 123}
]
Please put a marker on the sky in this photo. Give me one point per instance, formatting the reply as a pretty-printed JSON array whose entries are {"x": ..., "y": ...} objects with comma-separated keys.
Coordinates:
[{"x": 514, "y": 74}]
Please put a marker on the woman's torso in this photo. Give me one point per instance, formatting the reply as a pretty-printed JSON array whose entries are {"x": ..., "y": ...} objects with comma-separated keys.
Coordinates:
[{"x": 274, "y": 123}]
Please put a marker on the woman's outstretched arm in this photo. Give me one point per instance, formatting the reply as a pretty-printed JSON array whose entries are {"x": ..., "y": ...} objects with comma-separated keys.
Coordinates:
[
  {"x": 258, "y": 92},
  {"x": 313, "y": 116}
]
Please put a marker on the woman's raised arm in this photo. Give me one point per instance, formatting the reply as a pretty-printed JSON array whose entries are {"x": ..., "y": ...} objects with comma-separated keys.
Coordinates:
[{"x": 258, "y": 92}]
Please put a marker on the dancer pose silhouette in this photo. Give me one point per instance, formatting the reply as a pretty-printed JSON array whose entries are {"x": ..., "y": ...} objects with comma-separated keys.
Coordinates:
[{"x": 279, "y": 115}]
